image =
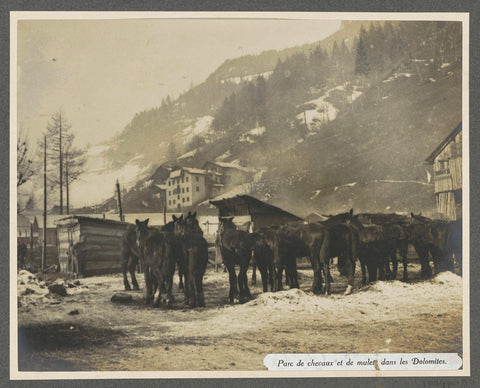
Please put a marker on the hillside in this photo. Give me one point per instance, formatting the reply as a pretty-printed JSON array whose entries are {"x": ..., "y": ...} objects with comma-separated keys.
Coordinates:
[{"x": 347, "y": 125}]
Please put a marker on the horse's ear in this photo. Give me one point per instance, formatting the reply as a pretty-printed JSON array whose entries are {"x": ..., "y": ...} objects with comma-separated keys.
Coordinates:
[
  {"x": 146, "y": 221},
  {"x": 174, "y": 217},
  {"x": 181, "y": 217},
  {"x": 412, "y": 215},
  {"x": 194, "y": 215},
  {"x": 351, "y": 213},
  {"x": 420, "y": 213},
  {"x": 137, "y": 222},
  {"x": 189, "y": 214}
]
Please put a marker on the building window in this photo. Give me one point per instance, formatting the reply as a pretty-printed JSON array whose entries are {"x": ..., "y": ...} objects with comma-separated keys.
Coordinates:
[
  {"x": 178, "y": 196},
  {"x": 183, "y": 200},
  {"x": 196, "y": 179},
  {"x": 174, "y": 202},
  {"x": 188, "y": 199},
  {"x": 198, "y": 188},
  {"x": 169, "y": 182},
  {"x": 182, "y": 180},
  {"x": 186, "y": 179},
  {"x": 187, "y": 189},
  {"x": 179, "y": 206},
  {"x": 183, "y": 190},
  {"x": 169, "y": 192},
  {"x": 169, "y": 202}
]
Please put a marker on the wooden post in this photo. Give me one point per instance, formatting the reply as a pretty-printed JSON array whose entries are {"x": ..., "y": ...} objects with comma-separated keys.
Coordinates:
[
  {"x": 44, "y": 245},
  {"x": 61, "y": 166},
  {"x": 165, "y": 213},
  {"x": 119, "y": 201}
]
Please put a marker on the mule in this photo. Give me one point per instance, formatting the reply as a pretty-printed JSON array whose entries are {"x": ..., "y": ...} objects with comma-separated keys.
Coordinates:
[
  {"x": 429, "y": 237},
  {"x": 130, "y": 257},
  {"x": 393, "y": 238},
  {"x": 195, "y": 257},
  {"x": 263, "y": 257},
  {"x": 157, "y": 255},
  {"x": 236, "y": 247}
]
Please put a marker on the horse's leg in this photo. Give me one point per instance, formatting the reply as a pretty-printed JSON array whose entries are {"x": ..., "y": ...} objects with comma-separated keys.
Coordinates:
[
  {"x": 402, "y": 250},
  {"x": 364, "y": 270},
  {"x": 350, "y": 267},
  {"x": 254, "y": 272},
  {"x": 233, "y": 280},
  {"x": 132, "y": 266},
  {"x": 243, "y": 282},
  {"x": 157, "y": 296},
  {"x": 148, "y": 285},
  {"x": 181, "y": 277},
  {"x": 422, "y": 252},
  {"x": 125, "y": 266},
  {"x": 278, "y": 276}
]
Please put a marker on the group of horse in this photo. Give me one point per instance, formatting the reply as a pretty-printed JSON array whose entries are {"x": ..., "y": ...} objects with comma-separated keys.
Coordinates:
[
  {"x": 178, "y": 244},
  {"x": 371, "y": 238}
]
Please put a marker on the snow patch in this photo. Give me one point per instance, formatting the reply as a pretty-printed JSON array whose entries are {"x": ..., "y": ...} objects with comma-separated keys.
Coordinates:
[
  {"x": 246, "y": 78},
  {"x": 201, "y": 126}
]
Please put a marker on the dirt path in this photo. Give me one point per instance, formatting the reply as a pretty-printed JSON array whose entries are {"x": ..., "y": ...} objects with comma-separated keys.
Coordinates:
[{"x": 420, "y": 316}]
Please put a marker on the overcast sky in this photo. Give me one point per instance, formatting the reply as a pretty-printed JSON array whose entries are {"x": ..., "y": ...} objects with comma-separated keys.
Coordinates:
[{"x": 102, "y": 72}]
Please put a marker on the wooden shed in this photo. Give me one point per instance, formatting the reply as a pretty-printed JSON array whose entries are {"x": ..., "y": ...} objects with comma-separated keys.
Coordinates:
[
  {"x": 102, "y": 244},
  {"x": 447, "y": 171},
  {"x": 246, "y": 208}
]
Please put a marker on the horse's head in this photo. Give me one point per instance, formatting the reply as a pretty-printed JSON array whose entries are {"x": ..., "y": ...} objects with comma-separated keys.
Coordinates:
[
  {"x": 226, "y": 223},
  {"x": 192, "y": 225},
  {"x": 419, "y": 227},
  {"x": 178, "y": 225},
  {"x": 141, "y": 231}
]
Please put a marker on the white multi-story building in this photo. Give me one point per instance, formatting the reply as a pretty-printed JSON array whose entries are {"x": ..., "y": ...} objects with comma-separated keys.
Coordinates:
[{"x": 187, "y": 186}]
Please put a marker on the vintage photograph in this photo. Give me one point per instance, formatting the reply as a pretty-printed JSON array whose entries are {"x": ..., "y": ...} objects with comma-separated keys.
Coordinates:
[{"x": 196, "y": 192}]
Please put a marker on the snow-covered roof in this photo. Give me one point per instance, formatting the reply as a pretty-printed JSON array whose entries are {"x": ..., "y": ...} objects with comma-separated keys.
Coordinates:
[
  {"x": 230, "y": 165},
  {"x": 191, "y": 170}
]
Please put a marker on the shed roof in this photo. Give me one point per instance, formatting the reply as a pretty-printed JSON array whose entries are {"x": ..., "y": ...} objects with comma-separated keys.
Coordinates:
[
  {"x": 443, "y": 144},
  {"x": 247, "y": 199},
  {"x": 99, "y": 221}
]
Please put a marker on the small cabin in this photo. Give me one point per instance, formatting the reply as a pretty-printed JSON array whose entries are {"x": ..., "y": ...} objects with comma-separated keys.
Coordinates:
[
  {"x": 447, "y": 171},
  {"x": 245, "y": 208},
  {"x": 103, "y": 243}
]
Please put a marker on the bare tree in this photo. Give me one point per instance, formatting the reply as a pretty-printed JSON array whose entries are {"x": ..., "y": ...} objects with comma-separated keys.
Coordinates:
[
  {"x": 74, "y": 162},
  {"x": 25, "y": 166},
  {"x": 65, "y": 162}
]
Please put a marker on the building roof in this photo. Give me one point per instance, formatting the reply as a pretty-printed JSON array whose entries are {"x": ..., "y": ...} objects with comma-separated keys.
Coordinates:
[
  {"x": 247, "y": 199},
  {"x": 229, "y": 165},
  {"x": 443, "y": 144},
  {"x": 96, "y": 220},
  {"x": 193, "y": 171}
]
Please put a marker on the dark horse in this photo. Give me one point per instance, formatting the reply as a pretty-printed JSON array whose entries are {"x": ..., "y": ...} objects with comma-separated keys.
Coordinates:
[
  {"x": 130, "y": 257},
  {"x": 157, "y": 255},
  {"x": 430, "y": 237},
  {"x": 263, "y": 257},
  {"x": 236, "y": 247},
  {"x": 384, "y": 235},
  {"x": 194, "y": 255}
]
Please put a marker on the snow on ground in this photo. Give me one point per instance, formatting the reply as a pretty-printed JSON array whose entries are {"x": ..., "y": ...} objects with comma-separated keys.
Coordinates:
[
  {"x": 396, "y": 76},
  {"x": 250, "y": 136},
  {"x": 325, "y": 111},
  {"x": 223, "y": 156},
  {"x": 201, "y": 126},
  {"x": 245, "y": 78},
  {"x": 391, "y": 316}
]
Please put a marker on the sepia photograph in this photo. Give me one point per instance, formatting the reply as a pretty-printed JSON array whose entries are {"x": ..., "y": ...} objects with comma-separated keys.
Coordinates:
[{"x": 239, "y": 194}]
